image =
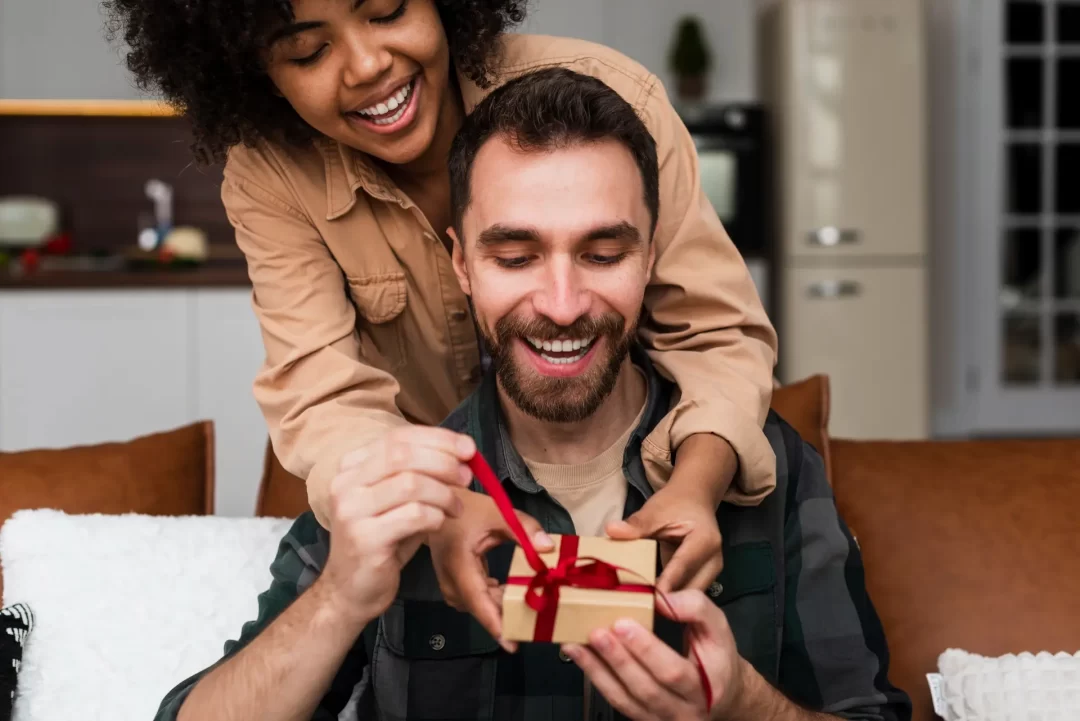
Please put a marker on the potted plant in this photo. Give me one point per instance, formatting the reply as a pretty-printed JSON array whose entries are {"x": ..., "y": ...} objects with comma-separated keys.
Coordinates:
[{"x": 690, "y": 59}]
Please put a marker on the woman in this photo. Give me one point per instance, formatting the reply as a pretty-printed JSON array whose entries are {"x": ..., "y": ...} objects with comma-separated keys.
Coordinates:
[{"x": 336, "y": 117}]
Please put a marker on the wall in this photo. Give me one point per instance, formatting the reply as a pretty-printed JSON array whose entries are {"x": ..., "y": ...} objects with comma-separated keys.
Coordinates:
[{"x": 56, "y": 48}]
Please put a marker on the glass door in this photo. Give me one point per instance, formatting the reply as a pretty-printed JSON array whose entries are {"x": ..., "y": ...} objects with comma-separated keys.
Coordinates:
[{"x": 1028, "y": 237}]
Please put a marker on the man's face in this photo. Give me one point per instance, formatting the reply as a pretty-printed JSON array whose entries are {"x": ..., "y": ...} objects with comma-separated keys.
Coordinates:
[{"x": 556, "y": 255}]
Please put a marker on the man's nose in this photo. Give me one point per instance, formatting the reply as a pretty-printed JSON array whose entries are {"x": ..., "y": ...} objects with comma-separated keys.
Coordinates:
[
  {"x": 366, "y": 61},
  {"x": 563, "y": 299}
]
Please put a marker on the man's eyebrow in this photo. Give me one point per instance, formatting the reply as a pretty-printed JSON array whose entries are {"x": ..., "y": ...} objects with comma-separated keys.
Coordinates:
[
  {"x": 291, "y": 29},
  {"x": 498, "y": 233},
  {"x": 616, "y": 231}
]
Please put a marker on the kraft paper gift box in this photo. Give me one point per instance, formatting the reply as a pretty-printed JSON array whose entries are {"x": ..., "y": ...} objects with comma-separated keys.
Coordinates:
[{"x": 579, "y": 611}]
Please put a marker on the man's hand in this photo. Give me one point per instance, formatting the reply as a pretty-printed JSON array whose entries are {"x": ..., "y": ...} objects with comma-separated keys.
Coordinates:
[
  {"x": 682, "y": 515},
  {"x": 387, "y": 498},
  {"x": 458, "y": 552},
  {"x": 644, "y": 678}
]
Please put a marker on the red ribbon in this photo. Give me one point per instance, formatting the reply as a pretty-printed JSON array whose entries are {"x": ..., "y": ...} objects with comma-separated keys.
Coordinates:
[{"x": 542, "y": 594}]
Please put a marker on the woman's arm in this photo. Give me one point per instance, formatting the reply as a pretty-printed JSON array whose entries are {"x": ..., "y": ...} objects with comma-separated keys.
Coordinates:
[
  {"x": 319, "y": 398},
  {"x": 705, "y": 326}
]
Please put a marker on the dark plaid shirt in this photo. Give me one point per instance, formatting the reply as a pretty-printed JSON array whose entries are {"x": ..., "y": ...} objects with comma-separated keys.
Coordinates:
[{"x": 792, "y": 589}]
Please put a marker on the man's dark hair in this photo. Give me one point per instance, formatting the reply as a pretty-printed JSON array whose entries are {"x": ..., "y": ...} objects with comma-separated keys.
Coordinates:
[
  {"x": 205, "y": 57},
  {"x": 547, "y": 110}
]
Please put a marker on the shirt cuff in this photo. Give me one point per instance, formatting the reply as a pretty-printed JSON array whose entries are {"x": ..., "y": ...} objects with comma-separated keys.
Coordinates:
[{"x": 756, "y": 476}]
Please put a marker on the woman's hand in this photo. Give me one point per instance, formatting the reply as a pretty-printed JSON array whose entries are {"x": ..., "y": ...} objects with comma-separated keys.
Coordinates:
[
  {"x": 682, "y": 514},
  {"x": 385, "y": 501},
  {"x": 644, "y": 678},
  {"x": 458, "y": 552}
]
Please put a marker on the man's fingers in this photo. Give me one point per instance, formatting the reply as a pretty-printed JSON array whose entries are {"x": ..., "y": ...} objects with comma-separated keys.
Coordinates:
[
  {"x": 642, "y": 685},
  {"x": 398, "y": 490},
  {"x": 671, "y": 670},
  {"x": 406, "y": 520},
  {"x": 606, "y": 682}
]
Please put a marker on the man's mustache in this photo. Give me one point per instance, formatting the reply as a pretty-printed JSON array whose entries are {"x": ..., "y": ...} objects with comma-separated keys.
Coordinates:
[{"x": 608, "y": 324}]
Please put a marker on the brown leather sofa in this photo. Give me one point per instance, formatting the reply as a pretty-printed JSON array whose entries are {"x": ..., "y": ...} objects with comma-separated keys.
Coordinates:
[{"x": 972, "y": 545}]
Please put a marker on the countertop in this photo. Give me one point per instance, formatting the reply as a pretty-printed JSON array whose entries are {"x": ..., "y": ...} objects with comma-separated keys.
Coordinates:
[{"x": 210, "y": 276}]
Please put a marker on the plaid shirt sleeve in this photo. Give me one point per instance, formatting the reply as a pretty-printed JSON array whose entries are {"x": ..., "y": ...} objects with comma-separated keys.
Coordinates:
[
  {"x": 295, "y": 567},
  {"x": 834, "y": 657}
]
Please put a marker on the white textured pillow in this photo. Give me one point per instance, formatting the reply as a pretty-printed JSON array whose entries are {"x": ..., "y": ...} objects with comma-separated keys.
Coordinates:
[
  {"x": 128, "y": 606},
  {"x": 1026, "y": 687}
]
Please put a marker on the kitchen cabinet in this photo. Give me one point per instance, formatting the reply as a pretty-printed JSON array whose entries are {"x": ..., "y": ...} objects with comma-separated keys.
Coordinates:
[{"x": 90, "y": 366}]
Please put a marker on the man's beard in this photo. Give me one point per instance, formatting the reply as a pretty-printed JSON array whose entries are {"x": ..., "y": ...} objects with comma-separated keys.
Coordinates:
[{"x": 552, "y": 399}]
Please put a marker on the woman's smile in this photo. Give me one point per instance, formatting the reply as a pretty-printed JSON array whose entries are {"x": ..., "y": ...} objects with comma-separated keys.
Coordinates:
[{"x": 392, "y": 113}]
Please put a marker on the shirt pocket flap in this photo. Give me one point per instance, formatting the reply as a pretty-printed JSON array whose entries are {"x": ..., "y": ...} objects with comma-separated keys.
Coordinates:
[
  {"x": 748, "y": 569},
  {"x": 433, "y": 630},
  {"x": 381, "y": 297}
]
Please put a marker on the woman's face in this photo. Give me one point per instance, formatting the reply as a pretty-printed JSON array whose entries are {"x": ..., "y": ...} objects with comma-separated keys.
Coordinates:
[{"x": 371, "y": 74}]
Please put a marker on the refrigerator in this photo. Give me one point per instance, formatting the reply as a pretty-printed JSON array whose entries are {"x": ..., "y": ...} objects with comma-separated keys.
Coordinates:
[{"x": 845, "y": 84}]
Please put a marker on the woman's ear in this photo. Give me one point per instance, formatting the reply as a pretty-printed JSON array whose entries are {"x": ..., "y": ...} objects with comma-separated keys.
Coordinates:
[{"x": 458, "y": 258}]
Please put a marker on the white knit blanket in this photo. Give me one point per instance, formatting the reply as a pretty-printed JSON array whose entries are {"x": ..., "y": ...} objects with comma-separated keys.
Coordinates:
[{"x": 126, "y": 607}]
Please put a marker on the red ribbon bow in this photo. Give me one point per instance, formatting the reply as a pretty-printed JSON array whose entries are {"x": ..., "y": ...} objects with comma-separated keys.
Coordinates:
[{"x": 542, "y": 594}]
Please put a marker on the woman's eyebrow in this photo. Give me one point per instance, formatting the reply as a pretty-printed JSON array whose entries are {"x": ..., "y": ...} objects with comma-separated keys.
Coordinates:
[{"x": 291, "y": 29}]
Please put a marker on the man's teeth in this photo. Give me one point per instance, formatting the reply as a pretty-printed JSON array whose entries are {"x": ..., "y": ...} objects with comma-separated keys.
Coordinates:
[
  {"x": 562, "y": 346},
  {"x": 394, "y": 102}
]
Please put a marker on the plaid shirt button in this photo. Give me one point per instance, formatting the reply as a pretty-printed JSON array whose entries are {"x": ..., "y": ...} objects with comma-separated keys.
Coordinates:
[
  {"x": 437, "y": 642},
  {"x": 564, "y": 658},
  {"x": 715, "y": 589}
]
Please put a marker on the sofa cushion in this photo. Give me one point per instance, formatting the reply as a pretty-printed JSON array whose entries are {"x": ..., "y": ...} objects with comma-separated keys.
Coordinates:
[
  {"x": 281, "y": 494},
  {"x": 805, "y": 405},
  {"x": 16, "y": 623},
  {"x": 972, "y": 545},
  {"x": 126, "y": 607},
  {"x": 169, "y": 473}
]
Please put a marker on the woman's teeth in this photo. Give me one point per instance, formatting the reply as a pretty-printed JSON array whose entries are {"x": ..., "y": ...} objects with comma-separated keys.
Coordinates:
[
  {"x": 562, "y": 346},
  {"x": 378, "y": 113}
]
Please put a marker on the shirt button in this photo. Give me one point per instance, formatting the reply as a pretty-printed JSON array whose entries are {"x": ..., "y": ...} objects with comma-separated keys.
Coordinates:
[
  {"x": 715, "y": 589},
  {"x": 564, "y": 658},
  {"x": 458, "y": 315},
  {"x": 437, "y": 642}
]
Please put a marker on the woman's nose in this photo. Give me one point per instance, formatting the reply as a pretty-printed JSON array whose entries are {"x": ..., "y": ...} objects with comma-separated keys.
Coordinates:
[{"x": 367, "y": 61}]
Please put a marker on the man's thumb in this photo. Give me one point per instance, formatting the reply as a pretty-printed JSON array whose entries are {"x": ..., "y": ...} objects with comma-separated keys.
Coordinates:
[{"x": 535, "y": 532}]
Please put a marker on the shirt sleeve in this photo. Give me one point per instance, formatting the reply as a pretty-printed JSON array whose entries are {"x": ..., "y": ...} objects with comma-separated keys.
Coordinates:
[
  {"x": 706, "y": 327},
  {"x": 834, "y": 657},
  {"x": 319, "y": 398},
  {"x": 298, "y": 562}
]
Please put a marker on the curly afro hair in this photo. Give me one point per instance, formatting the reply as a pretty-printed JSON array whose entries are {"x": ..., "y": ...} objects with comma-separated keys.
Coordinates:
[{"x": 205, "y": 58}]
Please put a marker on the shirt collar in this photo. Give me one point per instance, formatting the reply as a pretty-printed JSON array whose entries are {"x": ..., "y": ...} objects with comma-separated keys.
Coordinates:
[
  {"x": 487, "y": 425},
  {"x": 348, "y": 170}
]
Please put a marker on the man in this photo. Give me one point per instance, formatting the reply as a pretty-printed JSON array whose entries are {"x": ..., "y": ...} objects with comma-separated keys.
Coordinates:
[{"x": 555, "y": 203}]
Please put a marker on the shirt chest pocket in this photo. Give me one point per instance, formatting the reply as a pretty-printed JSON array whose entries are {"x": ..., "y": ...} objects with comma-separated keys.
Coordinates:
[
  {"x": 432, "y": 662},
  {"x": 746, "y": 591},
  {"x": 380, "y": 301}
]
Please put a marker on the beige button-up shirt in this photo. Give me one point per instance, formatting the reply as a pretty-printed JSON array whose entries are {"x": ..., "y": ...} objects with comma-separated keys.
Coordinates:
[{"x": 366, "y": 328}]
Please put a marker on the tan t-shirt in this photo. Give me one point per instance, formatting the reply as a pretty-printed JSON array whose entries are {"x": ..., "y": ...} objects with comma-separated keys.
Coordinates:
[{"x": 593, "y": 492}]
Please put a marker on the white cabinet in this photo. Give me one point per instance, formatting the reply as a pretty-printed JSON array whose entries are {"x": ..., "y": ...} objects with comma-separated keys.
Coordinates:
[{"x": 90, "y": 366}]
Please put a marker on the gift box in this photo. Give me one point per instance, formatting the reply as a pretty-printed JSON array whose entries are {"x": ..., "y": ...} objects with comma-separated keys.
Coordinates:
[{"x": 589, "y": 583}]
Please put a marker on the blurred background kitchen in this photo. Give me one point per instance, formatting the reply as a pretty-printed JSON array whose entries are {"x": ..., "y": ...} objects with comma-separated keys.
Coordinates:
[{"x": 896, "y": 173}]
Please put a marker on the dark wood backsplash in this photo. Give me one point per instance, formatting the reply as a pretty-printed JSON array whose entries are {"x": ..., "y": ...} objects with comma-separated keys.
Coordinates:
[{"x": 96, "y": 169}]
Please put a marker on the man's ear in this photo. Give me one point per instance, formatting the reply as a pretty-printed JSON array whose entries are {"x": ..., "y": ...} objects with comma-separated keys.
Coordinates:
[{"x": 458, "y": 258}]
